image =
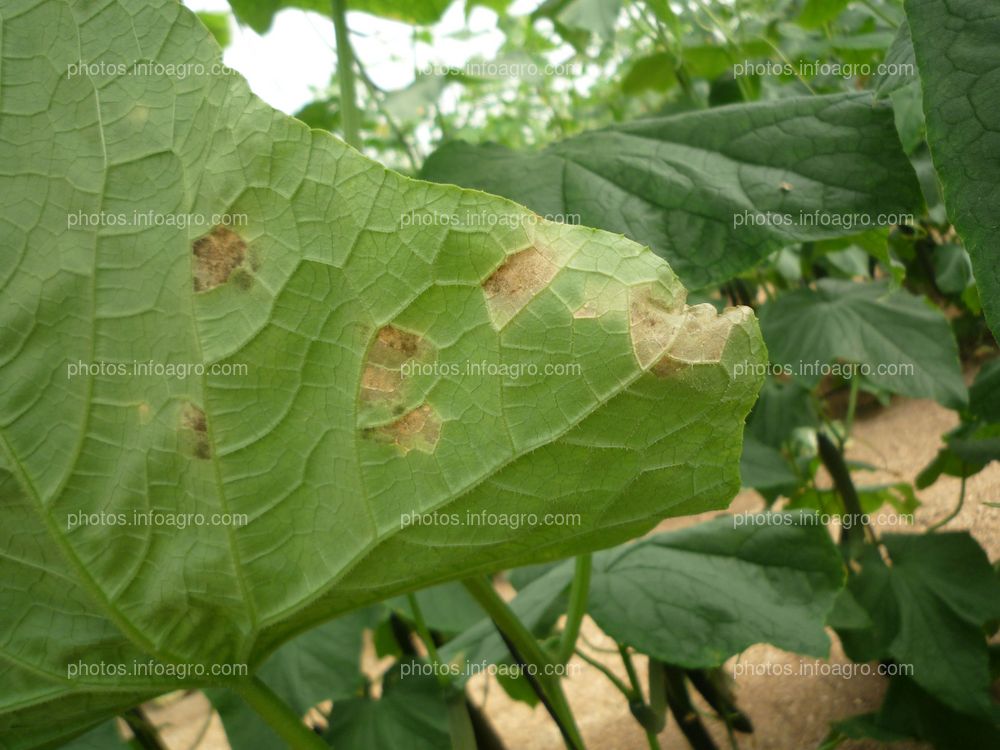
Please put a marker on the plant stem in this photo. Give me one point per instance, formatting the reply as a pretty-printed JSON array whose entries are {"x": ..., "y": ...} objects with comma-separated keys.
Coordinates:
[
  {"x": 543, "y": 695},
  {"x": 958, "y": 508},
  {"x": 377, "y": 96},
  {"x": 143, "y": 729},
  {"x": 459, "y": 725},
  {"x": 518, "y": 636},
  {"x": 641, "y": 710},
  {"x": 577, "y": 607},
  {"x": 833, "y": 460},
  {"x": 852, "y": 405},
  {"x": 680, "y": 706},
  {"x": 622, "y": 687},
  {"x": 633, "y": 677},
  {"x": 278, "y": 716},
  {"x": 349, "y": 118},
  {"x": 427, "y": 638}
]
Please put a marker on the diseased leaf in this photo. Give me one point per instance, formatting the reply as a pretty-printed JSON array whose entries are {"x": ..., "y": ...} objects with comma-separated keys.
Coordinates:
[
  {"x": 901, "y": 343},
  {"x": 716, "y": 191},
  {"x": 959, "y": 61},
  {"x": 696, "y": 597},
  {"x": 373, "y": 348}
]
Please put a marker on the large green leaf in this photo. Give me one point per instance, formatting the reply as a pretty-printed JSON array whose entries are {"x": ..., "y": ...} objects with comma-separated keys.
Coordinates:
[
  {"x": 946, "y": 591},
  {"x": 321, "y": 664},
  {"x": 412, "y": 713},
  {"x": 927, "y": 611},
  {"x": 696, "y": 597},
  {"x": 716, "y": 191},
  {"x": 958, "y": 55},
  {"x": 332, "y": 289},
  {"x": 259, "y": 14},
  {"x": 899, "y": 341}
]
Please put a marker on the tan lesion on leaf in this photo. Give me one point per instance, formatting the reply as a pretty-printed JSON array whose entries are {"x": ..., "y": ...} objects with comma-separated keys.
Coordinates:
[
  {"x": 382, "y": 378},
  {"x": 516, "y": 282},
  {"x": 667, "y": 338},
  {"x": 194, "y": 429},
  {"x": 217, "y": 256},
  {"x": 418, "y": 430}
]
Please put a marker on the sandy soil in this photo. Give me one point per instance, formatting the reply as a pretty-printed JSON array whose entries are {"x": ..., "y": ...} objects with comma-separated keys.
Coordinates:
[{"x": 788, "y": 712}]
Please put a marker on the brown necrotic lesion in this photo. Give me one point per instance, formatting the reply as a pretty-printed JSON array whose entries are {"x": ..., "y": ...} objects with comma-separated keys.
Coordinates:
[
  {"x": 668, "y": 335},
  {"x": 418, "y": 429},
  {"x": 217, "y": 256},
  {"x": 382, "y": 380},
  {"x": 194, "y": 432},
  {"x": 392, "y": 406},
  {"x": 516, "y": 282}
]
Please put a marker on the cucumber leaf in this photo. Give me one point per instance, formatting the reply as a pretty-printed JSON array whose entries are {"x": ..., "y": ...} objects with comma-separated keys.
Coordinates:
[
  {"x": 958, "y": 57},
  {"x": 715, "y": 191},
  {"x": 346, "y": 348}
]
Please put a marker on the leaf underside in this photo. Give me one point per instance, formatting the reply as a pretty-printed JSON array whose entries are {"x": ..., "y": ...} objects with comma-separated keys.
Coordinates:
[{"x": 357, "y": 321}]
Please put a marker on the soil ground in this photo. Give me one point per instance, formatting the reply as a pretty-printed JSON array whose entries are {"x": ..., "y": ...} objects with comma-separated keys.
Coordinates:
[{"x": 789, "y": 712}]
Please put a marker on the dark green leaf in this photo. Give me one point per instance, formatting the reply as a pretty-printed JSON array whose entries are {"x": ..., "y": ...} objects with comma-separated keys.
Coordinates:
[
  {"x": 901, "y": 65},
  {"x": 946, "y": 591},
  {"x": 903, "y": 344},
  {"x": 959, "y": 60},
  {"x": 696, "y": 597},
  {"x": 412, "y": 713},
  {"x": 714, "y": 191}
]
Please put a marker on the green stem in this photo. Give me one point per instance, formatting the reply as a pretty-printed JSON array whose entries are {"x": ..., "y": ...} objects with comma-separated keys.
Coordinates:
[
  {"x": 852, "y": 405},
  {"x": 958, "y": 508},
  {"x": 349, "y": 118},
  {"x": 641, "y": 710},
  {"x": 285, "y": 723},
  {"x": 529, "y": 649},
  {"x": 633, "y": 677},
  {"x": 377, "y": 96},
  {"x": 679, "y": 701},
  {"x": 577, "y": 607},
  {"x": 143, "y": 729},
  {"x": 836, "y": 466},
  {"x": 459, "y": 724},
  {"x": 622, "y": 687},
  {"x": 425, "y": 635}
]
